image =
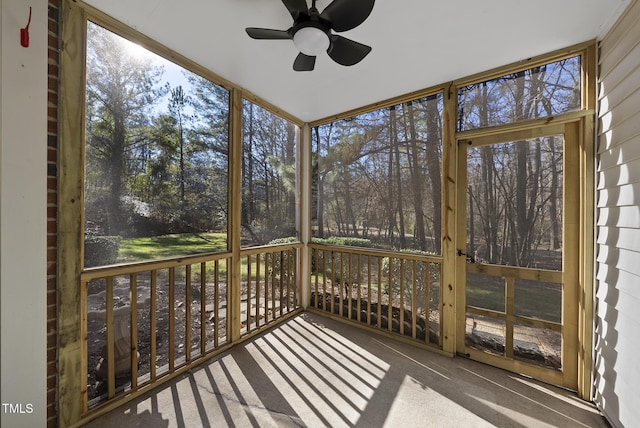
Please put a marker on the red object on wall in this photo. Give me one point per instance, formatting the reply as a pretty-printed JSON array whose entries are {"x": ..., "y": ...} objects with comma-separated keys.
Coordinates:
[{"x": 24, "y": 32}]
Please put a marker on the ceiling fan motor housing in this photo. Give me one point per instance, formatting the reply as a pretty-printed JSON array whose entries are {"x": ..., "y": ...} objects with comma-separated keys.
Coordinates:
[{"x": 311, "y": 37}]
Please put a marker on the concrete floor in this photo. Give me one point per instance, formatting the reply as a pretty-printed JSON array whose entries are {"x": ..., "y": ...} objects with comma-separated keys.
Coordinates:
[{"x": 314, "y": 371}]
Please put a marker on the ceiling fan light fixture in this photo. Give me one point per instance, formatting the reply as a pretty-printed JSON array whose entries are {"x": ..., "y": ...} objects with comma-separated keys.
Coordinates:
[{"x": 311, "y": 40}]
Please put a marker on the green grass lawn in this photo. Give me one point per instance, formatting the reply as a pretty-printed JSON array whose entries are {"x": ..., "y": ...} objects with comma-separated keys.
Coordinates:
[
  {"x": 533, "y": 299},
  {"x": 176, "y": 245},
  {"x": 165, "y": 246}
]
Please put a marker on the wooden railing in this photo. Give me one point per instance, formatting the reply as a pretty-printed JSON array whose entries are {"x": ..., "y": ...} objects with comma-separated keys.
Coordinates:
[
  {"x": 149, "y": 321},
  {"x": 269, "y": 289},
  {"x": 398, "y": 292}
]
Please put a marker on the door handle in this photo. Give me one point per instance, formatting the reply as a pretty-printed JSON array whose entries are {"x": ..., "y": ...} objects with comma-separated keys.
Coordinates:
[{"x": 470, "y": 259}]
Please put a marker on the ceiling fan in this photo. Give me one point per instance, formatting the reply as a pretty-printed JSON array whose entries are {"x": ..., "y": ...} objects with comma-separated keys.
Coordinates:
[{"x": 311, "y": 31}]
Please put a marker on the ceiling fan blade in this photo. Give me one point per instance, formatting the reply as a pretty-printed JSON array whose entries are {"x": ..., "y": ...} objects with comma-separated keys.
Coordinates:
[
  {"x": 347, "y": 52},
  {"x": 267, "y": 33},
  {"x": 347, "y": 14},
  {"x": 304, "y": 62},
  {"x": 296, "y": 7}
]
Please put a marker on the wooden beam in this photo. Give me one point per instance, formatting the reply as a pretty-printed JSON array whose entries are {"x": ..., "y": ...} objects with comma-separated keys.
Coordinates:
[
  {"x": 533, "y": 274},
  {"x": 382, "y": 104},
  {"x": 526, "y": 64},
  {"x": 71, "y": 347},
  {"x": 522, "y": 130}
]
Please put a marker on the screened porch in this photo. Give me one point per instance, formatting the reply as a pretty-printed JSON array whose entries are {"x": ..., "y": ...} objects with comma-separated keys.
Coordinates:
[{"x": 444, "y": 223}]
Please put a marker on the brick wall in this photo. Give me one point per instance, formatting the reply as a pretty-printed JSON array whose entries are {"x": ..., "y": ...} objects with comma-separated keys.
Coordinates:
[{"x": 52, "y": 208}]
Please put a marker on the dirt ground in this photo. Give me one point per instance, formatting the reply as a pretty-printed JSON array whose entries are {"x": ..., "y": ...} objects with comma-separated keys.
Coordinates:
[{"x": 97, "y": 331}]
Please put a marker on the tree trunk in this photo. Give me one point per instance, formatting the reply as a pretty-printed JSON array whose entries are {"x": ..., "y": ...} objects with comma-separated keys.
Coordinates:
[
  {"x": 471, "y": 234},
  {"x": 290, "y": 160},
  {"x": 350, "y": 221},
  {"x": 396, "y": 148},
  {"x": 490, "y": 223},
  {"x": 116, "y": 221},
  {"x": 433, "y": 161},
  {"x": 320, "y": 171},
  {"x": 247, "y": 212},
  {"x": 390, "y": 196},
  {"x": 182, "y": 175},
  {"x": 553, "y": 197},
  {"x": 522, "y": 224},
  {"x": 416, "y": 180}
]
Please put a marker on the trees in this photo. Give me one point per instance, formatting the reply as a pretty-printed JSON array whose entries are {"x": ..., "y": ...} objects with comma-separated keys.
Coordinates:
[
  {"x": 268, "y": 176},
  {"x": 515, "y": 188},
  {"x": 158, "y": 161},
  {"x": 156, "y": 154},
  {"x": 120, "y": 91},
  {"x": 177, "y": 105},
  {"x": 378, "y": 175},
  {"x": 512, "y": 189},
  {"x": 158, "y": 150}
]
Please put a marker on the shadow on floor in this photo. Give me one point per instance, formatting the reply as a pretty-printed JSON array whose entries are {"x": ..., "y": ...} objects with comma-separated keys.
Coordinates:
[{"x": 314, "y": 371}]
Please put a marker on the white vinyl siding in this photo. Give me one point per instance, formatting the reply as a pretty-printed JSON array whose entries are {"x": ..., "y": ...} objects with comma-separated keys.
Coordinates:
[{"x": 617, "y": 371}]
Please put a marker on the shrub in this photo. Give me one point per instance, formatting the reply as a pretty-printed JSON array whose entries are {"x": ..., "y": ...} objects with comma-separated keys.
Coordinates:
[
  {"x": 100, "y": 250},
  {"x": 274, "y": 264},
  {"x": 287, "y": 240},
  {"x": 333, "y": 271},
  {"x": 343, "y": 240}
]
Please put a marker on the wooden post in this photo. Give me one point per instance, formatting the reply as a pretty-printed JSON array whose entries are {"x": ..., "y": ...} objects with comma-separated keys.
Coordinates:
[
  {"x": 510, "y": 309},
  {"x": 571, "y": 255},
  {"x": 71, "y": 349},
  {"x": 304, "y": 215},
  {"x": 452, "y": 279},
  {"x": 235, "y": 207},
  {"x": 587, "y": 227}
]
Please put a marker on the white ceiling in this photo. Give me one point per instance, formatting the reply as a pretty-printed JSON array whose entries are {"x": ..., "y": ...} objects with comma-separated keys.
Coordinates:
[{"x": 416, "y": 43}]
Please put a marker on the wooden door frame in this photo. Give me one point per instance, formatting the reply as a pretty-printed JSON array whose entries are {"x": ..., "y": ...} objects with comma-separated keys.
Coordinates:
[{"x": 577, "y": 317}]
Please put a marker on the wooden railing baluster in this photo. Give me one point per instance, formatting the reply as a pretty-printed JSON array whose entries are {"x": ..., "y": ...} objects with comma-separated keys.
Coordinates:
[
  {"x": 249, "y": 290},
  {"x": 216, "y": 300},
  {"x": 258, "y": 314},
  {"x": 133, "y": 335},
  {"x": 124, "y": 335},
  {"x": 203, "y": 308},
  {"x": 152, "y": 323},
  {"x": 368, "y": 289},
  {"x": 172, "y": 316},
  {"x": 187, "y": 309},
  {"x": 111, "y": 372}
]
